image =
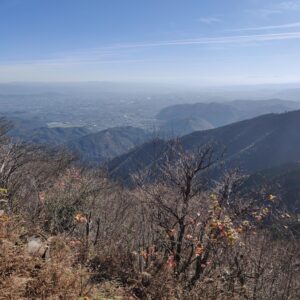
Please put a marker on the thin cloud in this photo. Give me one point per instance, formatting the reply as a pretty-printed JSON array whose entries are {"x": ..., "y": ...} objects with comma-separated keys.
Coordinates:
[
  {"x": 283, "y": 7},
  {"x": 281, "y": 26},
  {"x": 113, "y": 52},
  {"x": 289, "y": 5},
  {"x": 279, "y": 8},
  {"x": 264, "y": 12},
  {"x": 214, "y": 40},
  {"x": 66, "y": 61},
  {"x": 209, "y": 20}
]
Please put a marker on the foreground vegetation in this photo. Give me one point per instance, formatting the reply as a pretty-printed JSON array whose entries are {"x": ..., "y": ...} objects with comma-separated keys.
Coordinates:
[{"x": 70, "y": 233}]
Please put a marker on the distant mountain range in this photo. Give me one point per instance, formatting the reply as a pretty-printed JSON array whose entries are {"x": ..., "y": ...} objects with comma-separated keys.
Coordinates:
[
  {"x": 186, "y": 118},
  {"x": 252, "y": 145},
  {"x": 178, "y": 120}
]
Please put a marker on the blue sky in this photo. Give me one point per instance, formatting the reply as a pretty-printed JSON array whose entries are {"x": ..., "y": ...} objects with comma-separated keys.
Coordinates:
[{"x": 216, "y": 42}]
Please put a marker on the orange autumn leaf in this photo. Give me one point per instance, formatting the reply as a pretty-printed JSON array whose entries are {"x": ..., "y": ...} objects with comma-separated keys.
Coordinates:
[
  {"x": 199, "y": 250},
  {"x": 171, "y": 263},
  {"x": 80, "y": 218},
  {"x": 189, "y": 237},
  {"x": 144, "y": 254},
  {"x": 239, "y": 229},
  {"x": 271, "y": 197},
  {"x": 171, "y": 232}
]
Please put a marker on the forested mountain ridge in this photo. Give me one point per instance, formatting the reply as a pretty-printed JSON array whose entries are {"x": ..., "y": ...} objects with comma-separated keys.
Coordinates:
[
  {"x": 104, "y": 145},
  {"x": 255, "y": 144}
]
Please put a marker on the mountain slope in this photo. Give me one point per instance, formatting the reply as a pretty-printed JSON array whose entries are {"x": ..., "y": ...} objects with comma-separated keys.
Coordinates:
[
  {"x": 282, "y": 181},
  {"x": 101, "y": 146},
  {"x": 179, "y": 127},
  {"x": 45, "y": 135},
  {"x": 252, "y": 145}
]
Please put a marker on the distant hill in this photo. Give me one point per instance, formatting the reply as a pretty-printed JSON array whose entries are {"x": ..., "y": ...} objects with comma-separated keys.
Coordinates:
[
  {"x": 202, "y": 116},
  {"x": 256, "y": 144},
  {"x": 101, "y": 146},
  {"x": 27, "y": 132},
  {"x": 217, "y": 114}
]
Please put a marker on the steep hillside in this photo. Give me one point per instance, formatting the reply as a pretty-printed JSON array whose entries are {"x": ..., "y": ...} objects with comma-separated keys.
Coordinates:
[
  {"x": 179, "y": 127},
  {"x": 282, "y": 181},
  {"x": 101, "y": 146},
  {"x": 252, "y": 145}
]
